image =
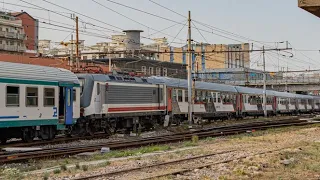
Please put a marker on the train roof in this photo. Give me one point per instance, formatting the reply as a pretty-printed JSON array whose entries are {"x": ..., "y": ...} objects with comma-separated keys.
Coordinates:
[
  {"x": 173, "y": 82},
  {"x": 36, "y": 74},
  {"x": 105, "y": 78}
]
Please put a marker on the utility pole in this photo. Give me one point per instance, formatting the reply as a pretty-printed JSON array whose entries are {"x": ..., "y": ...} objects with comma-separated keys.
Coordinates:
[
  {"x": 77, "y": 41},
  {"x": 71, "y": 53},
  {"x": 189, "y": 71},
  {"x": 110, "y": 68},
  {"x": 264, "y": 84}
]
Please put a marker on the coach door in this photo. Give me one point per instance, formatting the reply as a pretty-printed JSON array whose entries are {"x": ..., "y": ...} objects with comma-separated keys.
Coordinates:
[{"x": 68, "y": 105}]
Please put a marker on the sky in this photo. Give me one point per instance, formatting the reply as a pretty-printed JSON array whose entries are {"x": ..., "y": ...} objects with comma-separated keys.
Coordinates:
[{"x": 264, "y": 22}]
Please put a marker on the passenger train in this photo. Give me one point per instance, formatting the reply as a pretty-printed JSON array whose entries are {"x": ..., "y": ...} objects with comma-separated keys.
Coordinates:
[{"x": 38, "y": 101}]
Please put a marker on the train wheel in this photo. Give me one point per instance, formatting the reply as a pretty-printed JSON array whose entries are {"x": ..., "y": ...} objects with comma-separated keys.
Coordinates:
[
  {"x": 91, "y": 130},
  {"x": 27, "y": 135},
  {"x": 3, "y": 140}
]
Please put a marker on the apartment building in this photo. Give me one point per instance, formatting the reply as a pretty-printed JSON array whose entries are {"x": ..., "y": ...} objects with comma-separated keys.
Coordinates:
[{"x": 12, "y": 35}]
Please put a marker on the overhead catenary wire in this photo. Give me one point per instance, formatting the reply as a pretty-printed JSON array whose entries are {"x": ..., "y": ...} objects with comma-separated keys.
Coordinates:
[
  {"x": 131, "y": 19},
  {"x": 114, "y": 2},
  {"x": 217, "y": 29}
]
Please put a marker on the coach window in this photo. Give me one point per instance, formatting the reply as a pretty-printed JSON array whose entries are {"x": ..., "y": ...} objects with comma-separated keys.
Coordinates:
[
  {"x": 31, "y": 96},
  {"x": 49, "y": 97},
  {"x": 219, "y": 97},
  {"x": 179, "y": 95},
  {"x": 12, "y": 96},
  {"x": 174, "y": 95},
  {"x": 74, "y": 95},
  {"x": 203, "y": 96},
  {"x": 186, "y": 99}
]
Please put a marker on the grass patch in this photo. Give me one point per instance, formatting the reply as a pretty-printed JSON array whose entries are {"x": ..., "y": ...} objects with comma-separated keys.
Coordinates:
[
  {"x": 133, "y": 152},
  {"x": 210, "y": 139},
  {"x": 45, "y": 176},
  {"x": 189, "y": 144},
  {"x": 57, "y": 171},
  {"x": 195, "y": 139},
  {"x": 77, "y": 166},
  {"x": 85, "y": 167},
  {"x": 63, "y": 167},
  {"x": 12, "y": 173}
]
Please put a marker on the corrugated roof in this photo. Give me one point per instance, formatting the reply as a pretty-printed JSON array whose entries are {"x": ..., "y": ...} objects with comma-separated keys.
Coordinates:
[
  {"x": 34, "y": 72},
  {"x": 173, "y": 82}
]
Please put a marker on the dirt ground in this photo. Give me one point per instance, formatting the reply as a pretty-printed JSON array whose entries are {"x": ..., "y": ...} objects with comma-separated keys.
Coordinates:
[{"x": 285, "y": 153}]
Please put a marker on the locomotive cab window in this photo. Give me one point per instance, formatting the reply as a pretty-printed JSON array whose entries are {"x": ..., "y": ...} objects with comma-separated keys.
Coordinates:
[
  {"x": 49, "y": 97},
  {"x": 31, "y": 96},
  {"x": 98, "y": 88},
  {"x": 12, "y": 98}
]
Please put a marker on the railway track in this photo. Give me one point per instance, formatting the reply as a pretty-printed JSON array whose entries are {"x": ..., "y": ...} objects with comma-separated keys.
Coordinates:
[
  {"x": 173, "y": 167},
  {"x": 63, "y": 139},
  {"x": 9, "y": 157}
]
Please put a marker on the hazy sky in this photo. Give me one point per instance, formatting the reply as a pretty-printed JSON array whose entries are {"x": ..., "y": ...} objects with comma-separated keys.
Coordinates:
[{"x": 260, "y": 20}]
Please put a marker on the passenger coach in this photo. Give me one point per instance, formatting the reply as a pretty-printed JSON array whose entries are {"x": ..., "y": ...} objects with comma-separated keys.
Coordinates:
[{"x": 36, "y": 101}]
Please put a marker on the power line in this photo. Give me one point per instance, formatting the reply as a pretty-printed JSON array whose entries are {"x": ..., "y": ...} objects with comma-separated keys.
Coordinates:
[
  {"x": 82, "y": 14},
  {"x": 41, "y": 9},
  {"x": 200, "y": 32},
  {"x": 178, "y": 33},
  {"x": 215, "y": 28},
  {"x": 131, "y": 18}
]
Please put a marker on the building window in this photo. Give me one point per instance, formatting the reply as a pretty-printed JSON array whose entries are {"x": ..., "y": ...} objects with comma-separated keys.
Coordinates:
[
  {"x": 94, "y": 56},
  {"x": 150, "y": 70},
  {"x": 31, "y": 96},
  {"x": 143, "y": 69},
  {"x": 11, "y": 43},
  {"x": 158, "y": 71},
  {"x": 165, "y": 72},
  {"x": 7, "y": 29},
  {"x": 85, "y": 57},
  {"x": 12, "y": 96},
  {"x": 7, "y": 42},
  {"x": 49, "y": 97}
]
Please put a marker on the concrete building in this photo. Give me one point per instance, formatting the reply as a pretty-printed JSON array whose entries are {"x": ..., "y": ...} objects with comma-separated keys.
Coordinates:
[
  {"x": 12, "y": 34},
  {"x": 31, "y": 30},
  {"x": 206, "y": 56},
  {"x": 144, "y": 67},
  {"x": 44, "y": 46}
]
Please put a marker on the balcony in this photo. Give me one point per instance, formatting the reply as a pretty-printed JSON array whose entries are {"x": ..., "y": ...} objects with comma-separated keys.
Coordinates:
[
  {"x": 22, "y": 49},
  {"x": 21, "y": 36},
  {"x": 2, "y": 46},
  {"x": 14, "y": 23},
  {"x": 11, "y": 48},
  {"x": 12, "y": 35}
]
